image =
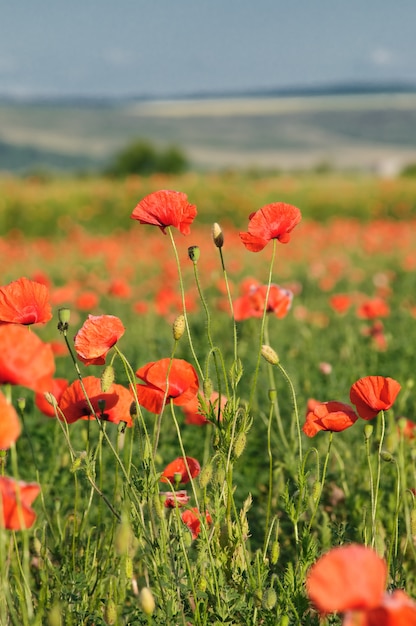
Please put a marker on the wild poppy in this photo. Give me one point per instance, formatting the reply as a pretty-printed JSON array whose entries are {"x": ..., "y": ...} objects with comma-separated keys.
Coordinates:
[
  {"x": 24, "y": 358},
  {"x": 56, "y": 387},
  {"x": 340, "y": 302},
  {"x": 96, "y": 337},
  {"x": 192, "y": 519},
  {"x": 9, "y": 423},
  {"x": 332, "y": 416},
  {"x": 195, "y": 412},
  {"x": 351, "y": 579},
  {"x": 111, "y": 406},
  {"x": 373, "y": 394},
  {"x": 181, "y": 387},
  {"x": 373, "y": 308},
  {"x": 273, "y": 221},
  {"x": 174, "y": 498},
  {"x": 166, "y": 208},
  {"x": 181, "y": 470},
  {"x": 15, "y": 505},
  {"x": 251, "y": 303},
  {"x": 24, "y": 301}
]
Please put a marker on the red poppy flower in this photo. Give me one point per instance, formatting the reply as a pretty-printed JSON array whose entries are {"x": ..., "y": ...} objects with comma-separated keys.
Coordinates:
[
  {"x": 24, "y": 358},
  {"x": 340, "y": 302},
  {"x": 97, "y": 336},
  {"x": 373, "y": 308},
  {"x": 24, "y": 301},
  {"x": 166, "y": 208},
  {"x": 351, "y": 579},
  {"x": 177, "y": 471},
  {"x": 252, "y": 303},
  {"x": 174, "y": 498},
  {"x": 111, "y": 406},
  {"x": 181, "y": 388},
  {"x": 273, "y": 221},
  {"x": 192, "y": 518},
  {"x": 373, "y": 394},
  {"x": 193, "y": 410},
  {"x": 9, "y": 424},
  {"x": 333, "y": 416},
  {"x": 347, "y": 578},
  {"x": 56, "y": 387},
  {"x": 16, "y": 498}
]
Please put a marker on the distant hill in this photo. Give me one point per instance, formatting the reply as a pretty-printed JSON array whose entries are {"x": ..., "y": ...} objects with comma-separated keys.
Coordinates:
[{"x": 355, "y": 126}]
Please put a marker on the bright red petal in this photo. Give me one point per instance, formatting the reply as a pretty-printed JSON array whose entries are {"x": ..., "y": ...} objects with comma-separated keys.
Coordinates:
[
  {"x": 347, "y": 578},
  {"x": 166, "y": 208},
  {"x": 9, "y": 424},
  {"x": 26, "y": 302}
]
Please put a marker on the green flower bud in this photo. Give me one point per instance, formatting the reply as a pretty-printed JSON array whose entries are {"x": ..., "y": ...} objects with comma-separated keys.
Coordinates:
[
  {"x": 368, "y": 430},
  {"x": 110, "y": 612},
  {"x": 147, "y": 601},
  {"x": 178, "y": 327},
  {"x": 269, "y": 599},
  {"x": 269, "y": 355},
  {"x": 387, "y": 456},
  {"x": 275, "y": 552},
  {"x": 107, "y": 378},
  {"x": 64, "y": 316},
  {"x": 240, "y": 444}
]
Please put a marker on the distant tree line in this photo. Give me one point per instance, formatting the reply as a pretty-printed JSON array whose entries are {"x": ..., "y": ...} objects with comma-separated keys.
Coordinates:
[{"x": 142, "y": 157}]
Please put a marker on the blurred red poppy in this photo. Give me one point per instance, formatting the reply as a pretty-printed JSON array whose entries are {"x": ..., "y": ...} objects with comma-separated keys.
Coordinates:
[
  {"x": 56, "y": 387},
  {"x": 16, "y": 499},
  {"x": 181, "y": 389},
  {"x": 340, "y": 302},
  {"x": 174, "y": 498},
  {"x": 373, "y": 394},
  {"x": 111, "y": 406},
  {"x": 9, "y": 423},
  {"x": 352, "y": 579},
  {"x": 24, "y": 301},
  {"x": 96, "y": 337},
  {"x": 373, "y": 308},
  {"x": 166, "y": 208},
  {"x": 251, "y": 304},
  {"x": 195, "y": 414},
  {"x": 24, "y": 358},
  {"x": 333, "y": 416},
  {"x": 192, "y": 519},
  {"x": 180, "y": 470},
  {"x": 273, "y": 221}
]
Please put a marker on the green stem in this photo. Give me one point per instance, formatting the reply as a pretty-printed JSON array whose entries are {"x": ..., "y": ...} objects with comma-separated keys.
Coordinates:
[
  {"x": 263, "y": 322},
  {"x": 295, "y": 407},
  {"x": 182, "y": 289}
]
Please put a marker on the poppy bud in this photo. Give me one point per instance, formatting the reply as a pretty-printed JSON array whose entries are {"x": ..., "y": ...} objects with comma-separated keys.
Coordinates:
[
  {"x": 387, "y": 456},
  {"x": 129, "y": 567},
  {"x": 107, "y": 378},
  {"x": 50, "y": 398},
  {"x": 64, "y": 316},
  {"x": 21, "y": 404},
  {"x": 110, "y": 612},
  {"x": 274, "y": 557},
  {"x": 316, "y": 491},
  {"x": 272, "y": 395},
  {"x": 101, "y": 405},
  {"x": 269, "y": 599},
  {"x": 207, "y": 387},
  {"x": 55, "y": 615},
  {"x": 240, "y": 444},
  {"x": 269, "y": 355},
  {"x": 368, "y": 430},
  {"x": 147, "y": 601},
  {"x": 217, "y": 235},
  {"x": 194, "y": 253},
  {"x": 205, "y": 475},
  {"x": 178, "y": 327}
]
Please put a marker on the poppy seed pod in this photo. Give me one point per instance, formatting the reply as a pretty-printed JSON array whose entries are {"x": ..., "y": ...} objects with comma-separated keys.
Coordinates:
[
  {"x": 147, "y": 601},
  {"x": 194, "y": 253}
]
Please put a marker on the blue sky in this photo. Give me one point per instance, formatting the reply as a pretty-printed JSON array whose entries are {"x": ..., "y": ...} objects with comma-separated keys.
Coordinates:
[{"x": 173, "y": 47}]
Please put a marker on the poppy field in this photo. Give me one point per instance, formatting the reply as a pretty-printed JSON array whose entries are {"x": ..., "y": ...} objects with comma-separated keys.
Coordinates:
[{"x": 208, "y": 402}]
